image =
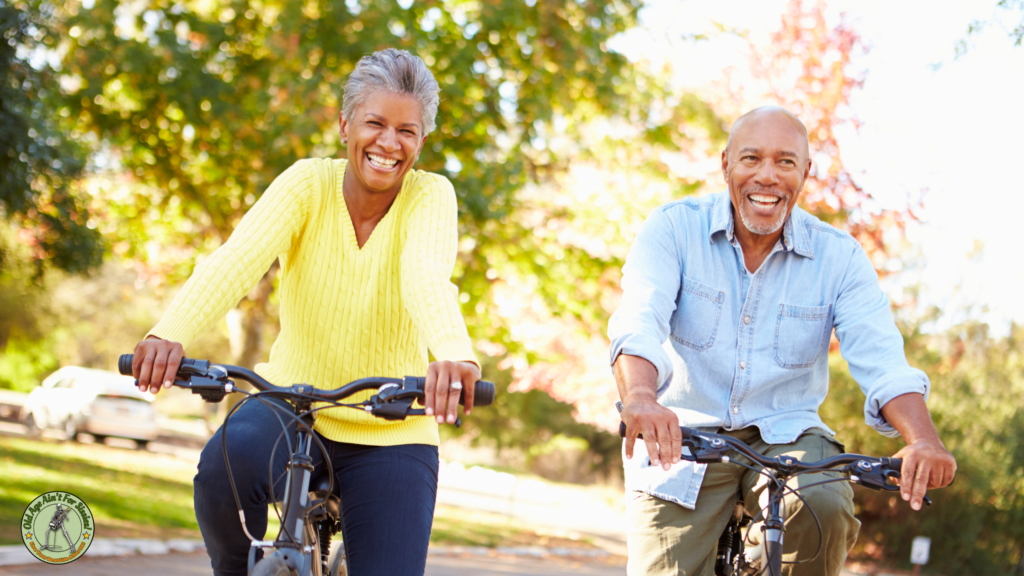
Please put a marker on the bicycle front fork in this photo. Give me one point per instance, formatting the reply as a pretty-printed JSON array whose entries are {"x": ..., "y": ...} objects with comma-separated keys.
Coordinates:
[{"x": 774, "y": 528}]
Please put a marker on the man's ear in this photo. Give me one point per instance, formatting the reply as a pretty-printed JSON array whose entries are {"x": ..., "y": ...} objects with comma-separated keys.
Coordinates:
[{"x": 725, "y": 164}]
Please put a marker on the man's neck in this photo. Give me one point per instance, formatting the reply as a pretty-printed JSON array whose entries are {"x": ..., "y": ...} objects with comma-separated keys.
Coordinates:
[{"x": 756, "y": 247}]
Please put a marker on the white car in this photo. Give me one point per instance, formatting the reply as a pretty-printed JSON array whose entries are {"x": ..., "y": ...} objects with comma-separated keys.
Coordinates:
[{"x": 98, "y": 402}]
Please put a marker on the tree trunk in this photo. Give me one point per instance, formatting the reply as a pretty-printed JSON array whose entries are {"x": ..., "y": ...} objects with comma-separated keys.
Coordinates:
[{"x": 245, "y": 333}]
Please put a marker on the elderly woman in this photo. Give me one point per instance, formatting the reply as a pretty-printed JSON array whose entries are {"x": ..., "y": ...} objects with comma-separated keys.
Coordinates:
[{"x": 367, "y": 247}]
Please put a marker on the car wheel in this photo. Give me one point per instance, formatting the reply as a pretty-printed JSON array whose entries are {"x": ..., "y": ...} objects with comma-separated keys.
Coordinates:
[
  {"x": 31, "y": 427},
  {"x": 71, "y": 429},
  {"x": 99, "y": 438},
  {"x": 142, "y": 444}
]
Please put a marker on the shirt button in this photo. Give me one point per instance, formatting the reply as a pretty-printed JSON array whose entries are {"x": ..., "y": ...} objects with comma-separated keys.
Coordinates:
[
  {"x": 743, "y": 365},
  {"x": 735, "y": 409},
  {"x": 746, "y": 319}
]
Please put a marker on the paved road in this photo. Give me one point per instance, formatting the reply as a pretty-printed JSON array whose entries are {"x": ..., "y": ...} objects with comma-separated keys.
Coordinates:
[{"x": 198, "y": 564}]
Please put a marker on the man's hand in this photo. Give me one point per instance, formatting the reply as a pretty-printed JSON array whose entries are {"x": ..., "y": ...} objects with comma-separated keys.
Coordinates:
[
  {"x": 926, "y": 465},
  {"x": 637, "y": 380},
  {"x": 659, "y": 426},
  {"x": 926, "y": 462},
  {"x": 444, "y": 382},
  {"x": 156, "y": 362}
]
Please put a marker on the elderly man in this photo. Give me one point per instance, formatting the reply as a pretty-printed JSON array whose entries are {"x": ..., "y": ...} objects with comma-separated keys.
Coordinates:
[{"x": 746, "y": 288}]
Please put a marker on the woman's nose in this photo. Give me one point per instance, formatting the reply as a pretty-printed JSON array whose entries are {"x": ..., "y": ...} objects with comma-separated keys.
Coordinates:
[{"x": 388, "y": 139}]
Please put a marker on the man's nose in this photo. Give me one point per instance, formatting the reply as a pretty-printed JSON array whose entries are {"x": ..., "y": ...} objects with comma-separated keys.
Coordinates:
[
  {"x": 388, "y": 139},
  {"x": 766, "y": 175}
]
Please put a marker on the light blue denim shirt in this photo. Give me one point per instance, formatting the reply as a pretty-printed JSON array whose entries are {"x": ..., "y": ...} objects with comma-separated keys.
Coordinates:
[{"x": 735, "y": 348}]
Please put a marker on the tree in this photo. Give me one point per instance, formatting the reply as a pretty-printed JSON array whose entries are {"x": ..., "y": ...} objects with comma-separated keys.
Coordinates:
[
  {"x": 39, "y": 166},
  {"x": 808, "y": 67},
  {"x": 203, "y": 103},
  {"x": 977, "y": 382},
  {"x": 1010, "y": 9}
]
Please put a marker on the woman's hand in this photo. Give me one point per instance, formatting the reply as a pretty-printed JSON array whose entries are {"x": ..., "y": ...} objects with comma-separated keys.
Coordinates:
[
  {"x": 445, "y": 381},
  {"x": 156, "y": 363}
]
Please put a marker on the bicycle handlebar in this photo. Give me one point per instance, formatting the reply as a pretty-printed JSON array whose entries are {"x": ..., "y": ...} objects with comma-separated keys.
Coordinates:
[
  {"x": 868, "y": 471},
  {"x": 483, "y": 390}
]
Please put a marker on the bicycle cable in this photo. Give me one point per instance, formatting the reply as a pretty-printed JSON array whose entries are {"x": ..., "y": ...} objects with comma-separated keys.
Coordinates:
[{"x": 227, "y": 461}]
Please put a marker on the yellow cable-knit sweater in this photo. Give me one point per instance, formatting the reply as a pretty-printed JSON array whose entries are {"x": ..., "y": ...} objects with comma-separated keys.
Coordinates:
[{"x": 346, "y": 312}]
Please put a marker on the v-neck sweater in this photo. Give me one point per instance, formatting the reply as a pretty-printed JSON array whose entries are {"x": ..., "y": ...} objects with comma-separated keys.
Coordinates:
[{"x": 346, "y": 312}]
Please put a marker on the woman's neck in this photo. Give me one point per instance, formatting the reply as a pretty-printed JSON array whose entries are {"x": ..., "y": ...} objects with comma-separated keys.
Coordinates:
[{"x": 365, "y": 208}]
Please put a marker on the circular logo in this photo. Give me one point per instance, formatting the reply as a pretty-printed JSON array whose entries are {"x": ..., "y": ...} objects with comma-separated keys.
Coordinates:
[{"x": 57, "y": 527}]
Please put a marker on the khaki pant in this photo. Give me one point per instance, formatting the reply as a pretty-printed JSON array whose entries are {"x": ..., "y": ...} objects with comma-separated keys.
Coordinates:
[{"x": 664, "y": 538}]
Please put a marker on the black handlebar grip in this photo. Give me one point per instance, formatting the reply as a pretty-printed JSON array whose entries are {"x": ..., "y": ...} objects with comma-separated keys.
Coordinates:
[
  {"x": 896, "y": 463},
  {"x": 483, "y": 392},
  {"x": 124, "y": 365},
  {"x": 683, "y": 430}
]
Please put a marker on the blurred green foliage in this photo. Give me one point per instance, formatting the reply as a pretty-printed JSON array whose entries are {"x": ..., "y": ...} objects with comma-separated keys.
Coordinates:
[
  {"x": 201, "y": 104},
  {"x": 39, "y": 164},
  {"x": 977, "y": 524},
  {"x": 533, "y": 423}
]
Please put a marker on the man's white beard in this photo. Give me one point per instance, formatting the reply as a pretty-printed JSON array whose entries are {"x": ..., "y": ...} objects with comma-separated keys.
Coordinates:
[{"x": 763, "y": 229}]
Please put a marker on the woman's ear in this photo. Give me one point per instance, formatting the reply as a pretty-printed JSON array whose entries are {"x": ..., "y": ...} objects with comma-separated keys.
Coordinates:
[
  {"x": 420, "y": 148},
  {"x": 343, "y": 127}
]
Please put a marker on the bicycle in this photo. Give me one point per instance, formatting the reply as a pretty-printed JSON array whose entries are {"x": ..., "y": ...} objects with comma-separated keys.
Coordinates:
[
  {"x": 732, "y": 558},
  {"x": 311, "y": 514}
]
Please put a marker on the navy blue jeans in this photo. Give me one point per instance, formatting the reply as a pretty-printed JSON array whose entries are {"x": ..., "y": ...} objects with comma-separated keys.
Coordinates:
[{"x": 387, "y": 494}]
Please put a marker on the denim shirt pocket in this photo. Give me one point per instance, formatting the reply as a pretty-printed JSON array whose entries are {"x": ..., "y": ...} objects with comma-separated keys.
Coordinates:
[
  {"x": 695, "y": 321},
  {"x": 800, "y": 334}
]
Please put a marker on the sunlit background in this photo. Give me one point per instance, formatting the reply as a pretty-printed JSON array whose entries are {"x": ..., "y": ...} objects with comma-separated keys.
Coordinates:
[{"x": 136, "y": 134}]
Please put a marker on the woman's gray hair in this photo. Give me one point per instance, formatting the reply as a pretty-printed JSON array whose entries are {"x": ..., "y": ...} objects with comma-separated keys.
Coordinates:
[{"x": 398, "y": 72}]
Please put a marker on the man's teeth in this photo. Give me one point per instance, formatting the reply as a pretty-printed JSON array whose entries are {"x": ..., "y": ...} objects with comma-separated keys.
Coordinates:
[
  {"x": 381, "y": 161},
  {"x": 764, "y": 199}
]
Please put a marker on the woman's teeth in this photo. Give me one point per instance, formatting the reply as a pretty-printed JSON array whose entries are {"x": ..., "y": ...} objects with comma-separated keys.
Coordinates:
[{"x": 381, "y": 162}]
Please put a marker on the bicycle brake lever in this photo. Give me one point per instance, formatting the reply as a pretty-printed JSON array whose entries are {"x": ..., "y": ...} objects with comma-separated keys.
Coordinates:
[
  {"x": 876, "y": 476},
  {"x": 706, "y": 451}
]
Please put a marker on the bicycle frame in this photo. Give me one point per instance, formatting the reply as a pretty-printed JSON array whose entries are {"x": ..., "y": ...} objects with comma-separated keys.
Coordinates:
[
  {"x": 290, "y": 543},
  {"x": 393, "y": 401}
]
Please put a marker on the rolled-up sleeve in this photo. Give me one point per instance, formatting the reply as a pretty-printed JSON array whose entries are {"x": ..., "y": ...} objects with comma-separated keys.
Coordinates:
[
  {"x": 871, "y": 343},
  {"x": 650, "y": 285}
]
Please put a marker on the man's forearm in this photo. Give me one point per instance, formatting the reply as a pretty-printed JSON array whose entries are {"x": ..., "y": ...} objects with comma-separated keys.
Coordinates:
[
  {"x": 909, "y": 415},
  {"x": 636, "y": 378},
  {"x": 926, "y": 461}
]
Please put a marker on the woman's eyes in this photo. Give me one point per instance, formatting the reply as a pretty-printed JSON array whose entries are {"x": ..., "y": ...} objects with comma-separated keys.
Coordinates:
[{"x": 379, "y": 124}]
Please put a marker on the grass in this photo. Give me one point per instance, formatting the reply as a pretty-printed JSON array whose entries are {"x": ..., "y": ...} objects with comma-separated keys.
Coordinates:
[
  {"x": 131, "y": 493},
  {"x": 461, "y": 527},
  {"x": 140, "y": 494}
]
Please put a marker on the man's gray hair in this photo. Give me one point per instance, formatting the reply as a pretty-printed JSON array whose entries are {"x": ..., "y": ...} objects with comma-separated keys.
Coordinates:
[{"x": 398, "y": 72}]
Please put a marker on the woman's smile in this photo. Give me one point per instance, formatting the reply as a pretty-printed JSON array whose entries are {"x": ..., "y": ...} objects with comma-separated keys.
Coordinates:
[{"x": 382, "y": 163}]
